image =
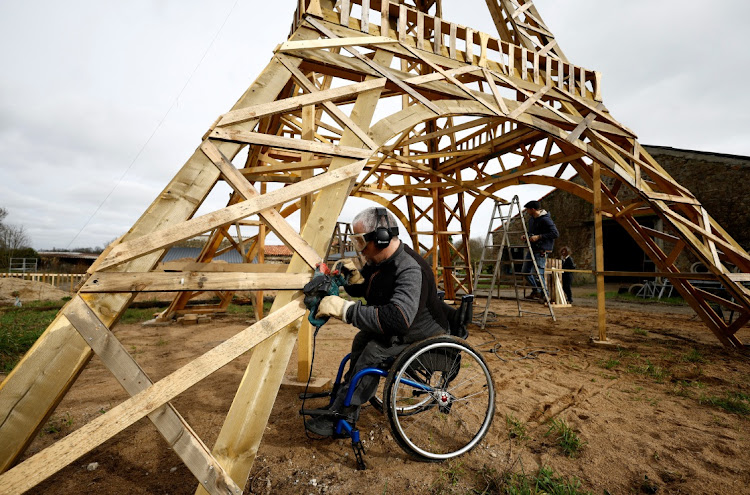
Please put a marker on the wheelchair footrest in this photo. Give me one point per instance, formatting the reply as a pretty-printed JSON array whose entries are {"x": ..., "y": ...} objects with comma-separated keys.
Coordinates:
[
  {"x": 359, "y": 450},
  {"x": 322, "y": 412}
]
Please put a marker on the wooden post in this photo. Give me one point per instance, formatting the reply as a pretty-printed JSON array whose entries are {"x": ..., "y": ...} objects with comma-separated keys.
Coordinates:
[{"x": 599, "y": 253}]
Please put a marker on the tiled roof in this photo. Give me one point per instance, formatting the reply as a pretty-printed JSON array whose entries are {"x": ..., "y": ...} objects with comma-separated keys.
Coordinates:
[{"x": 271, "y": 250}]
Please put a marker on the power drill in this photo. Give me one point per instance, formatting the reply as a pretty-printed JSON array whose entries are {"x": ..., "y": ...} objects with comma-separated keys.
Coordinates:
[{"x": 325, "y": 282}]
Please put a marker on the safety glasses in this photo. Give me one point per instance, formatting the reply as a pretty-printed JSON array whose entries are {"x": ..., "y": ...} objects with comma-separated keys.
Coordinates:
[{"x": 358, "y": 241}]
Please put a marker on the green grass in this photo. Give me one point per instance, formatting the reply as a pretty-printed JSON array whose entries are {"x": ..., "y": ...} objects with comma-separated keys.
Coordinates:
[
  {"x": 693, "y": 356},
  {"x": 21, "y": 327},
  {"x": 658, "y": 373},
  {"x": 516, "y": 429},
  {"x": 640, "y": 331},
  {"x": 609, "y": 363},
  {"x": 545, "y": 481},
  {"x": 733, "y": 402},
  {"x": 568, "y": 439},
  {"x": 670, "y": 301}
]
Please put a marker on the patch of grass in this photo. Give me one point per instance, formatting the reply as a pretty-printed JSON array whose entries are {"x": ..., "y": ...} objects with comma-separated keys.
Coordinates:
[
  {"x": 684, "y": 388},
  {"x": 247, "y": 309},
  {"x": 21, "y": 327},
  {"x": 138, "y": 315},
  {"x": 733, "y": 402},
  {"x": 609, "y": 363},
  {"x": 57, "y": 424},
  {"x": 448, "y": 477},
  {"x": 568, "y": 440},
  {"x": 640, "y": 331},
  {"x": 545, "y": 481},
  {"x": 656, "y": 372},
  {"x": 516, "y": 429},
  {"x": 693, "y": 356}
]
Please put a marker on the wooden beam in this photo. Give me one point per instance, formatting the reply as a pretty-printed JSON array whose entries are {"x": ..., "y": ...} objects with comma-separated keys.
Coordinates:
[
  {"x": 192, "y": 281},
  {"x": 259, "y": 139}
]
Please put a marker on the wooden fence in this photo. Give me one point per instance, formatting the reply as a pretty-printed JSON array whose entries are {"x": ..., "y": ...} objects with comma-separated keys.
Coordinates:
[{"x": 63, "y": 281}]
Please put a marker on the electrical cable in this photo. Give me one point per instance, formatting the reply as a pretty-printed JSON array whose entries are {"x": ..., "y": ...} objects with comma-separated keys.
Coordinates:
[
  {"x": 309, "y": 377},
  {"x": 158, "y": 126}
]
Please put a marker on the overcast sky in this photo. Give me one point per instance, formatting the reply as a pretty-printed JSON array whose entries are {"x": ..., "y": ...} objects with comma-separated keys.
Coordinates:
[{"x": 94, "y": 94}]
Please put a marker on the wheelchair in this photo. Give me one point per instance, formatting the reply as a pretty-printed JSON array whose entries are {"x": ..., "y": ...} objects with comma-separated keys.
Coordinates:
[{"x": 438, "y": 396}]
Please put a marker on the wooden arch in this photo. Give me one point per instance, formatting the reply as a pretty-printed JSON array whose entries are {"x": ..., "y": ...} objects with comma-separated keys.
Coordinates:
[{"x": 473, "y": 112}]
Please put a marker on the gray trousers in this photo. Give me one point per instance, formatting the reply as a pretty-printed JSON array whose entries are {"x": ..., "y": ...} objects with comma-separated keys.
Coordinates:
[{"x": 367, "y": 352}]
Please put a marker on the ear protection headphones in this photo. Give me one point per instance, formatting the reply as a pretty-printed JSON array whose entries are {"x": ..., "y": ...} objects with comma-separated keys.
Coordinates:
[{"x": 382, "y": 235}]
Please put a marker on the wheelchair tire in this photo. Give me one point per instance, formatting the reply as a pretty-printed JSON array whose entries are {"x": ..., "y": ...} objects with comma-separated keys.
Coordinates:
[{"x": 454, "y": 414}]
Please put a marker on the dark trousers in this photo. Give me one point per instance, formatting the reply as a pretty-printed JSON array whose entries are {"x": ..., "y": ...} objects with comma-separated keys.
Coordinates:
[
  {"x": 367, "y": 352},
  {"x": 567, "y": 279}
]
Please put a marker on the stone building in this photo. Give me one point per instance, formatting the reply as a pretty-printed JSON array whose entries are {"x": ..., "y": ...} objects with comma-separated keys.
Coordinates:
[{"x": 719, "y": 181}]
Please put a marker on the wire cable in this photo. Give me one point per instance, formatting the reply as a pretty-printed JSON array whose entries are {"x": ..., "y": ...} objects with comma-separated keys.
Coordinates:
[{"x": 158, "y": 126}]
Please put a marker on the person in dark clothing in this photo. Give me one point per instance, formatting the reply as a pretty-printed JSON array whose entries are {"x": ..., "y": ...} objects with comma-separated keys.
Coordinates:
[
  {"x": 567, "y": 278},
  {"x": 402, "y": 307},
  {"x": 542, "y": 234}
]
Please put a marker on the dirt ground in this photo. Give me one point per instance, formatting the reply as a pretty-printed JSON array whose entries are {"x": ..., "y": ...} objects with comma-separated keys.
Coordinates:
[
  {"x": 28, "y": 291},
  {"x": 645, "y": 408}
]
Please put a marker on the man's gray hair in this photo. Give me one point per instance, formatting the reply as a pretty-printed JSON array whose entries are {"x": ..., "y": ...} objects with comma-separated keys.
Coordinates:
[{"x": 369, "y": 220}]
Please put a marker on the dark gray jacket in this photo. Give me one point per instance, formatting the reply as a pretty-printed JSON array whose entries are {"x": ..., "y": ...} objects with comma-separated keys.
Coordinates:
[{"x": 402, "y": 303}]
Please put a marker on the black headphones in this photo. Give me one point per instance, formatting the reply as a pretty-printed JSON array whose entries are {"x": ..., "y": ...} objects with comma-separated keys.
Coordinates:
[{"x": 382, "y": 235}]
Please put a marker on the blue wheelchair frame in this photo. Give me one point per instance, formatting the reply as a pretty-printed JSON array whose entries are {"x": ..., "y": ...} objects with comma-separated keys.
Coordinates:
[{"x": 343, "y": 427}]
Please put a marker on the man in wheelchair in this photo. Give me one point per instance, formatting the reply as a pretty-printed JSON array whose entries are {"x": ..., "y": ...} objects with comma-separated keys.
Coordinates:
[{"x": 402, "y": 308}]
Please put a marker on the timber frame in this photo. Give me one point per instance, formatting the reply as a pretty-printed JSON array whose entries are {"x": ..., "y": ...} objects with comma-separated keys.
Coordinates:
[{"x": 375, "y": 99}]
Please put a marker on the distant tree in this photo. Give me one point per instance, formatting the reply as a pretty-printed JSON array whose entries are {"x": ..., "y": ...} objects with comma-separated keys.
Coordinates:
[{"x": 13, "y": 239}]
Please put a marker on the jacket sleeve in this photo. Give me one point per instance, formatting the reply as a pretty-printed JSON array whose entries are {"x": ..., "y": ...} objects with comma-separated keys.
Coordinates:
[
  {"x": 550, "y": 229},
  {"x": 356, "y": 290},
  {"x": 394, "y": 318}
]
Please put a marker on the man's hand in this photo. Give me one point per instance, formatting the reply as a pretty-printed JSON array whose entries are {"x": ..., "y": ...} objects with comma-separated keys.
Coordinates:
[
  {"x": 350, "y": 271},
  {"x": 334, "y": 306}
]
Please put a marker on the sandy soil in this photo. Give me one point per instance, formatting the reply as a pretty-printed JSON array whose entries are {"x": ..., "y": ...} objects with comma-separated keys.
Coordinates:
[
  {"x": 642, "y": 432},
  {"x": 28, "y": 291}
]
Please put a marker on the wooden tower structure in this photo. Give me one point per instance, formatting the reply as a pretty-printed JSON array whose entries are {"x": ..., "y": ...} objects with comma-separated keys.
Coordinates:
[{"x": 380, "y": 99}]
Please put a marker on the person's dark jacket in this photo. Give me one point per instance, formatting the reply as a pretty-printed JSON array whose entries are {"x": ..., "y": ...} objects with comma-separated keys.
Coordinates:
[
  {"x": 402, "y": 302},
  {"x": 543, "y": 226},
  {"x": 568, "y": 264}
]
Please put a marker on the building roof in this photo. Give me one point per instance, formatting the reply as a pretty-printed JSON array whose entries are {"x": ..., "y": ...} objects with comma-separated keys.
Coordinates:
[
  {"x": 231, "y": 256},
  {"x": 68, "y": 254}
]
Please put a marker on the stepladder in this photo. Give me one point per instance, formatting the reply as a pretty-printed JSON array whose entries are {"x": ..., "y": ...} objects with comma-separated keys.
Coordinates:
[{"x": 507, "y": 252}]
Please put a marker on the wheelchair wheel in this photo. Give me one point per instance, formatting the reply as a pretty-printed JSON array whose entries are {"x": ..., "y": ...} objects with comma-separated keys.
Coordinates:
[{"x": 439, "y": 398}]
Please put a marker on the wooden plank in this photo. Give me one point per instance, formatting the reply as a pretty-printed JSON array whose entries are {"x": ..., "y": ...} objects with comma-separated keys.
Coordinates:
[
  {"x": 289, "y": 46},
  {"x": 345, "y": 11},
  {"x": 599, "y": 252},
  {"x": 192, "y": 281},
  {"x": 384, "y": 18},
  {"x": 420, "y": 30},
  {"x": 452, "y": 42},
  {"x": 259, "y": 139},
  {"x": 402, "y": 22},
  {"x": 167, "y": 236},
  {"x": 272, "y": 217},
  {"x": 438, "y": 44},
  {"x": 172, "y": 426},
  {"x": 365, "y": 24},
  {"x": 30, "y": 472}
]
